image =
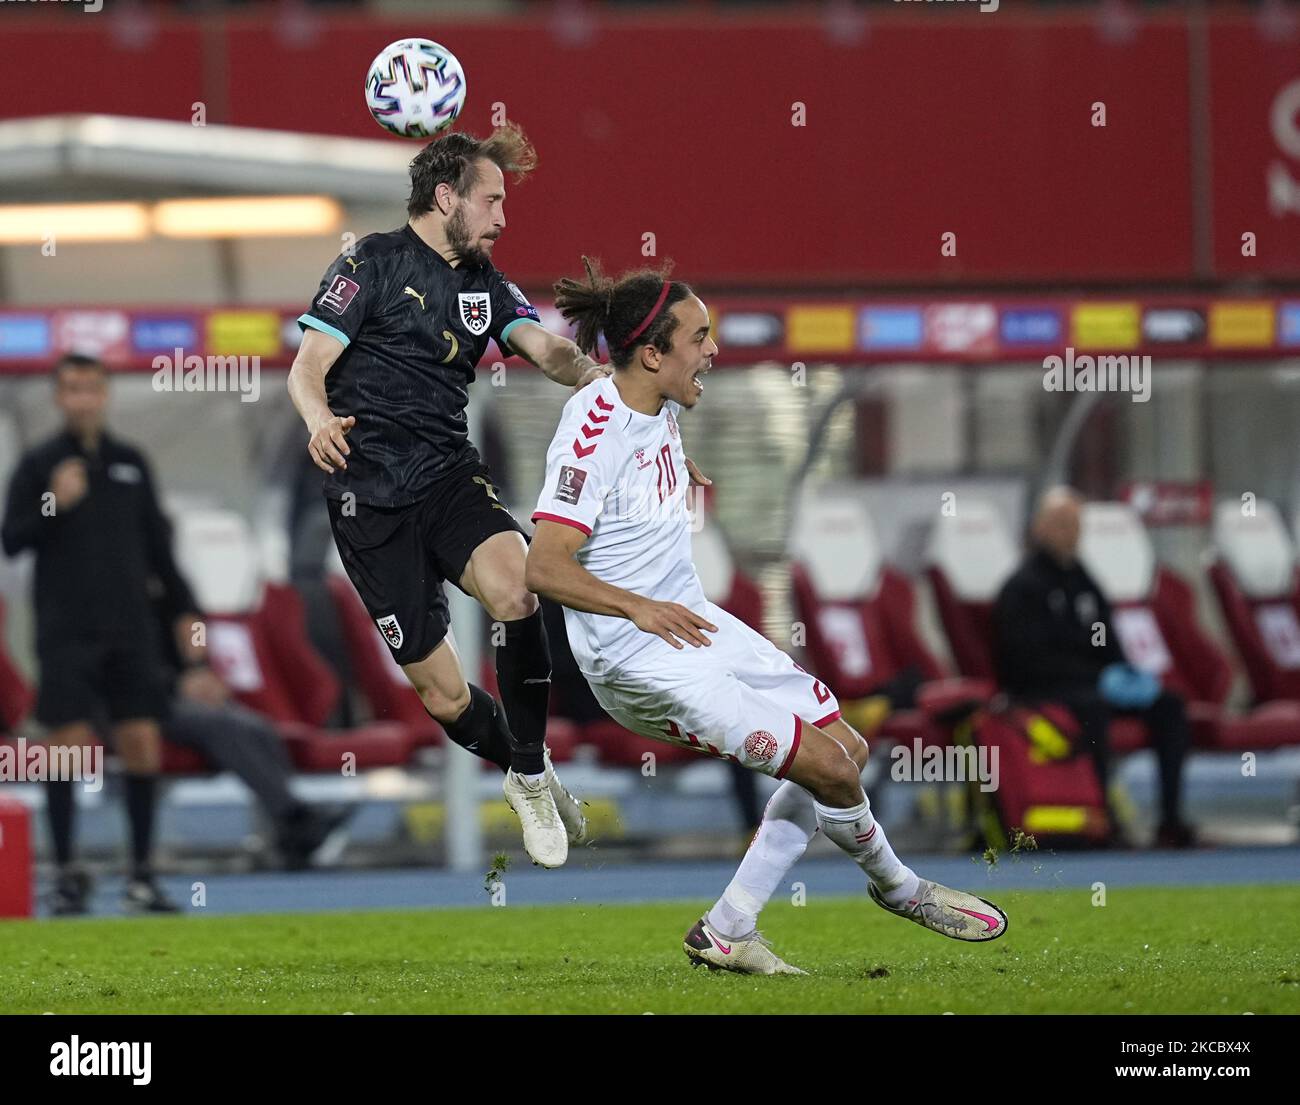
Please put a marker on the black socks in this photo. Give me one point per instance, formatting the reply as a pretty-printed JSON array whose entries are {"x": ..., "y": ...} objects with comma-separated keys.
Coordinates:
[
  {"x": 482, "y": 728},
  {"x": 60, "y": 807},
  {"x": 524, "y": 677},
  {"x": 139, "y": 813}
]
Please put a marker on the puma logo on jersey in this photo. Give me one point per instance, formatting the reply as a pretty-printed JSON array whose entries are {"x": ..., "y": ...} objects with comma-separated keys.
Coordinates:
[
  {"x": 412, "y": 292},
  {"x": 354, "y": 263}
]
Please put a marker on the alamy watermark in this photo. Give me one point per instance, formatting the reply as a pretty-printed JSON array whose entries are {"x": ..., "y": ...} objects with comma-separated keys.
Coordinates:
[
  {"x": 37, "y": 762},
  {"x": 117, "y": 1059},
  {"x": 922, "y": 763},
  {"x": 1107, "y": 373},
  {"x": 211, "y": 373}
]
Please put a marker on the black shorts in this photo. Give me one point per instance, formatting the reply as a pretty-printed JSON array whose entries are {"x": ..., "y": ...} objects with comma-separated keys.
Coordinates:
[
  {"x": 94, "y": 681},
  {"x": 399, "y": 557}
]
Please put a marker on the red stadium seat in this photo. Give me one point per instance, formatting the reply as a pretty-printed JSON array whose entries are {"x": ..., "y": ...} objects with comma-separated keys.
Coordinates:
[
  {"x": 858, "y": 614},
  {"x": 177, "y": 760},
  {"x": 1254, "y": 576},
  {"x": 262, "y": 664},
  {"x": 1154, "y": 616},
  {"x": 969, "y": 556},
  {"x": 258, "y": 644}
]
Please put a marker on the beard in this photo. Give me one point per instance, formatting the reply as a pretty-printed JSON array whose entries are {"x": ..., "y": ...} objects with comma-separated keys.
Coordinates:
[{"x": 458, "y": 237}]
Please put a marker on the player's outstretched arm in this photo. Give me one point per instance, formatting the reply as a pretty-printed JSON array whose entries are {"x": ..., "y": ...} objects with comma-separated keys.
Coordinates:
[
  {"x": 551, "y": 571},
  {"x": 316, "y": 356},
  {"x": 557, "y": 357}
]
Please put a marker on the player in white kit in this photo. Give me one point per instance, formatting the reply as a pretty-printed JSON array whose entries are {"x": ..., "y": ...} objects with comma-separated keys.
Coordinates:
[{"x": 613, "y": 546}]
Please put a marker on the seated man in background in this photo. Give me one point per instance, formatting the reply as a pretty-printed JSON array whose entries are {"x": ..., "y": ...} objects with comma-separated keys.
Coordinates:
[
  {"x": 1054, "y": 642},
  {"x": 229, "y": 736}
]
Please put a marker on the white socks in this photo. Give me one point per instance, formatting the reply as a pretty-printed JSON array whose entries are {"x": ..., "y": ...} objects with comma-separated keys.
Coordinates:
[
  {"x": 789, "y": 823},
  {"x": 863, "y": 838}
]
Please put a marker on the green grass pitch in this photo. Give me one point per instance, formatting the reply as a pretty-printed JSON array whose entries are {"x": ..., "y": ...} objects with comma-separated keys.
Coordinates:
[{"x": 1185, "y": 950}]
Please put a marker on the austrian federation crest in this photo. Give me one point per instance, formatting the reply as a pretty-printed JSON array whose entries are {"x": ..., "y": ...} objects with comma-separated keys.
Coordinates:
[
  {"x": 475, "y": 311},
  {"x": 392, "y": 632}
]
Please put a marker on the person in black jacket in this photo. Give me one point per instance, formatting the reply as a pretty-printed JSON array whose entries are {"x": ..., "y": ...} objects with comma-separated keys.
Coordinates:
[
  {"x": 84, "y": 501},
  {"x": 1054, "y": 642}
]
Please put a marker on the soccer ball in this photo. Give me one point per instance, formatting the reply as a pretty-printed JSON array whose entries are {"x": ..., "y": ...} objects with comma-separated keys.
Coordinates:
[{"x": 415, "y": 88}]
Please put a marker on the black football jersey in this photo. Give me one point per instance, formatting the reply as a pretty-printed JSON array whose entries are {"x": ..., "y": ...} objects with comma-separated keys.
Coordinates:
[{"x": 414, "y": 329}]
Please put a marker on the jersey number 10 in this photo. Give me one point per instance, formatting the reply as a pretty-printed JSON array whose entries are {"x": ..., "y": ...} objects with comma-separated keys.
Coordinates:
[{"x": 667, "y": 474}]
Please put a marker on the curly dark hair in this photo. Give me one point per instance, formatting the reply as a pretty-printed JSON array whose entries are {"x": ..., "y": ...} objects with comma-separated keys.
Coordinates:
[
  {"x": 616, "y": 306},
  {"x": 451, "y": 159}
]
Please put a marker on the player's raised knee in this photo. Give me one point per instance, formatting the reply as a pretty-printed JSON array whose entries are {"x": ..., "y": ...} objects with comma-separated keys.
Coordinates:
[
  {"x": 825, "y": 767},
  {"x": 510, "y": 604},
  {"x": 842, "y": 786}
]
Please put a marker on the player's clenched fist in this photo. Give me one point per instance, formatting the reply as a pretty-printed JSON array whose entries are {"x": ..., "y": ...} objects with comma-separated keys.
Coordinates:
[
  {"x": 68, "y": 483},
  {"x": 328, "y": 445},
  {"x": 671, "y": 620}
]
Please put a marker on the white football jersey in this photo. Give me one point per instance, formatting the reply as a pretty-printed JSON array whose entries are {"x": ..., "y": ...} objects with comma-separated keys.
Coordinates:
[{"x": 620, "y": 477}]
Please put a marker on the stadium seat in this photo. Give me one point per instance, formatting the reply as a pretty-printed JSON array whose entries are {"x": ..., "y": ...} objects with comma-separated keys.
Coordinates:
[
  {"x": 1254, "y": 577},
  {"x": 858, "y": 614},
  {"x": 969, "y": 556},
  {"x": 724, "y": 583},
  {"x": 258, "y": 645},
  {"x": 1154, "y": 616}
]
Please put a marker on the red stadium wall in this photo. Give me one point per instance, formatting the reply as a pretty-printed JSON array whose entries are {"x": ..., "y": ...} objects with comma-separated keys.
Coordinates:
[{"x": 917, "y": 125}]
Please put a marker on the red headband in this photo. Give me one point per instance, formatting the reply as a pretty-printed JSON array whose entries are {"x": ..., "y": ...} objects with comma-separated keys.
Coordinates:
[{"x": 663, "y": 294}]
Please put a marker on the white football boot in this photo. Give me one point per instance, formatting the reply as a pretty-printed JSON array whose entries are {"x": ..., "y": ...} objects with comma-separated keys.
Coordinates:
[
  {"x": 545, "y": 839},
  {"x": 568, "y": 807},
  {"x": 750, "y": 955},
  {"x": 953, "y": 913}
]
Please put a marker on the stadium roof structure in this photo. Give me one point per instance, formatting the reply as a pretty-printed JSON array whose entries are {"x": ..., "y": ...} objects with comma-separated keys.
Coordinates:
[{"x": 68, "y": 156}]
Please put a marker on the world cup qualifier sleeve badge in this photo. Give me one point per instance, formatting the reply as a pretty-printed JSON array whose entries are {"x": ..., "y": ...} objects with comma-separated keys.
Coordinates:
[{"x": 475, "y": 312}]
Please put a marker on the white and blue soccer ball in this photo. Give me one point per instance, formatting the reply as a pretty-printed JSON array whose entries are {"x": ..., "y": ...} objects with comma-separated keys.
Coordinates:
[{"x": 415, "y": 88}]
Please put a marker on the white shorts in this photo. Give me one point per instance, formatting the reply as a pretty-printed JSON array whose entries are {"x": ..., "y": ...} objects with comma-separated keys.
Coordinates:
[{"x": 740, "y": 698}]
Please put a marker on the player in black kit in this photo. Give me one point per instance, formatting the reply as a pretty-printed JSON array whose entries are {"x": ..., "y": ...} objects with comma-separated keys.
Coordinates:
[{"x": 390, "y": 343}]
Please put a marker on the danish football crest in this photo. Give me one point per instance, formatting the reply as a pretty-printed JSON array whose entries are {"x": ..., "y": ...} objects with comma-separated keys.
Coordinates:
[
  {"x": 760, "y": 745},
  {"x": 475, "y": 311},
  {"x": 391, "y": 630}
]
